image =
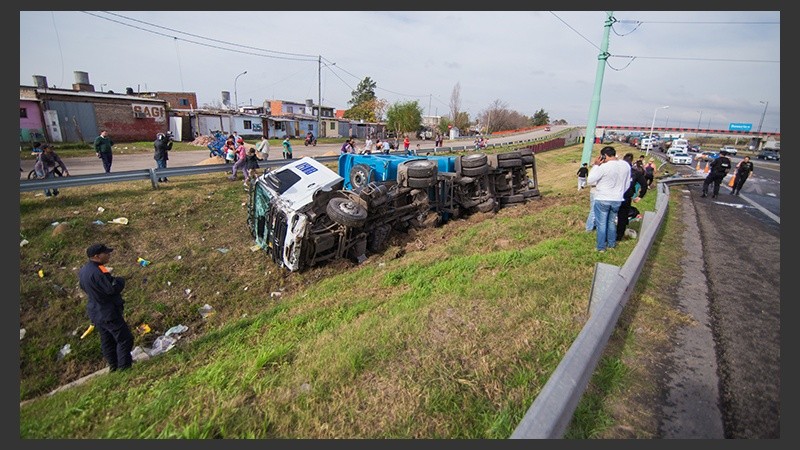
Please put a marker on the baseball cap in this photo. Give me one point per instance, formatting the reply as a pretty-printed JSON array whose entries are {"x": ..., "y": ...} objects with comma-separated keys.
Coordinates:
[{"x": 96, "y": 249}]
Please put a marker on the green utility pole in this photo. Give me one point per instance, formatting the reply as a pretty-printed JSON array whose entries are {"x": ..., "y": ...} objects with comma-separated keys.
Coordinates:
[{"x": 588, "y": 143}]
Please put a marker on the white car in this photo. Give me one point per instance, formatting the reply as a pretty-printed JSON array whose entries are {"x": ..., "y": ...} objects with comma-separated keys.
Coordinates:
[
  {"x": 728, "y": 148},
  {"x": 680, "y": 158}
]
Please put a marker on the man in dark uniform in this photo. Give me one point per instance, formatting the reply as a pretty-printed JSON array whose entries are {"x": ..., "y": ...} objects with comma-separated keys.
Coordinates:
[
  {"x": 105, "y": 307},
  {"x": 743, "y": 170},
  {"x": 717, "y": 171}
]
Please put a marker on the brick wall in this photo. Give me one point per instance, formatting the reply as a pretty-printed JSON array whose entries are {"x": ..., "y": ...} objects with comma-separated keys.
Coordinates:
[{"x": 122, "y": 126}]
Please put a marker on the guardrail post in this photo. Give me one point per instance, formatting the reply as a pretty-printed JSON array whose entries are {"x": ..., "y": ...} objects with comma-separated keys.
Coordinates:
[{"x": 153, "y": 178}]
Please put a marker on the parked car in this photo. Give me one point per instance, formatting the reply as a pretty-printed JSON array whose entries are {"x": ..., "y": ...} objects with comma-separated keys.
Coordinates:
[
  {"x": 680, "y": 158},
  {"x": 546, "y": 128},
  {"x": 694, "y": 148},
  {"x": 769, "y": 155},
  {"x": 728, "y": 148}
]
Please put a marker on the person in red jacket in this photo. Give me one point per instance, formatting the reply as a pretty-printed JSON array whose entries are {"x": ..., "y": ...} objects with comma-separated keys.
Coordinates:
[{"x": 406, "y": 143}]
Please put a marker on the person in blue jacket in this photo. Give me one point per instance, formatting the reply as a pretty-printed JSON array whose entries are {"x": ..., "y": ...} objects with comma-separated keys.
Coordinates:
[{"x": 106, "y": 307}]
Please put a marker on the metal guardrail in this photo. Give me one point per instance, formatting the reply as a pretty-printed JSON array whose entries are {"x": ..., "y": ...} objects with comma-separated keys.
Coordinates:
[
  {"x": 154, "y": 174},
  {"x": 552, "y": 410}
]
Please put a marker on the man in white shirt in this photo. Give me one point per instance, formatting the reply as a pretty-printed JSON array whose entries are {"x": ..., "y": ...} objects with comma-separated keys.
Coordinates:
[
  {"x": 610, "y": 178},
  {"x": 368, "y": 146}
]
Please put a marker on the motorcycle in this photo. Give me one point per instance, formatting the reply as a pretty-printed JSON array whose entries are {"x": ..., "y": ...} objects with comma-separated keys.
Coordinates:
[{"x": 310, "y": 140}]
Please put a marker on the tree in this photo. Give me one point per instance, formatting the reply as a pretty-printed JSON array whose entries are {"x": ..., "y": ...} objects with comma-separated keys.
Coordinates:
[
  {"x": 462, "y": 121},
  {"x": 405, "y": 117},
  {"x": 365, "y": 91},
  {"x": 444, "y": 125},
  {"x": 368, "y": 111},
  {"x": 541, "y": 118},
  {"x": 455, "y": 103}
]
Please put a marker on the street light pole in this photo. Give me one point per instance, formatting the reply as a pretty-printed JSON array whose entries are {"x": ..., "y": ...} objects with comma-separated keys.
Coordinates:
[
  {"x": 762, "y": 115},
  {"x": 235, "y": 93},
  {"x": 699, "y": 119},
  {"x": 652, "y": 125}
]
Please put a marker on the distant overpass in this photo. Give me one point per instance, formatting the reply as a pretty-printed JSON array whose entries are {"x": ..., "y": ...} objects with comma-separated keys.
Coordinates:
[{"x": 695, "y": 131}]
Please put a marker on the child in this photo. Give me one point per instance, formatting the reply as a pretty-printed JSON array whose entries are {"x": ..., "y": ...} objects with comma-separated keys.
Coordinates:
[
  {"x": 583, "y": 172},
  {"x": 287, "y": 148},
  {"x": 251, "y": 164}
]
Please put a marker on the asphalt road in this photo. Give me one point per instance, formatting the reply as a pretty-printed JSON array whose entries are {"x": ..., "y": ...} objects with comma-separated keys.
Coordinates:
[{"x": 724, "y": 375}]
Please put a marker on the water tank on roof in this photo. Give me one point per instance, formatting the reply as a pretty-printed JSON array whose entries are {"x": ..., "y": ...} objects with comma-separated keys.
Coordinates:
[
  {"x": 128, "y": 91},
  {"x": 40, "y": 81},
  {"x": 81, "y": 77}
]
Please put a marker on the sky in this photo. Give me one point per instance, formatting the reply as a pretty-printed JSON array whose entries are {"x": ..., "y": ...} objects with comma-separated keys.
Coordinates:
[{"x": 711, "y": 68}]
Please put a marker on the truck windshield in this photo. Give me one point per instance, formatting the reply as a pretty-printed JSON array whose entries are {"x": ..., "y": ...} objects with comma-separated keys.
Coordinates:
[{"x": 282, "y": 180}]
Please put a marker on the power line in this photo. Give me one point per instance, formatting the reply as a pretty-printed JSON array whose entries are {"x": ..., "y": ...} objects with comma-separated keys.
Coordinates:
[
  {"x": 696, "y": 59},
  {"x": 201, "y": 43},
  {"x": 576, "y": 31}
]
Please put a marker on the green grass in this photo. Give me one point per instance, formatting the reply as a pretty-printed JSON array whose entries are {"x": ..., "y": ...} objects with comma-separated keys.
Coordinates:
[{"x": 450, "y": 333}]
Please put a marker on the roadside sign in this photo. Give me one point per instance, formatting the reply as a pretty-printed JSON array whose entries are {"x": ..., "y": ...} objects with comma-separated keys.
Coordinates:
[{"x": 740, "y": 126}]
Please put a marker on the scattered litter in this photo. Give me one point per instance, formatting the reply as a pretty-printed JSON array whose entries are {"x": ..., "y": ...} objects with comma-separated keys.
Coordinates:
[
  {"x": 255, "y": 248},
  {"x": 187, "y": 291},
  {"x": 206, "y": 310},
  {"x": 23, "y": 242},
  {"x": 169, "y": 283},
  {"x": 76, "y": 212},
  {"x": 177, "y": 329},
  {"x": 162, "y": 344},
  {"x": 244, "y": 204},
  {"x": 143, "y": 328},
  {"x": 275, "y": 294},
  {"x": 143, "y": 262},
  {"x": 139, "y": 354},
  {"x": 179, "y": 257},
  {"x": 120, "y": 220},
  {"x": 88, "y": 331},
  {"x": 630, "y": 233},
  {"x": 41, "y": 273},
  {"x": 100, "y": 209},
  {"x": 55, "y": 224},
  {"x": 223, "y": 250},
  {"x": 65, "y": 350},
  {"x": 21, "y": 333},
  {"x": 246, "y": 288},
  {"x": 99, "y": 222}
]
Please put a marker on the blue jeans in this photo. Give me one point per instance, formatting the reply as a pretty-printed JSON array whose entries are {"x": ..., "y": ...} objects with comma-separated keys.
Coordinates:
[
  {"x": 590, "y": 225},
  {"x": 605, "y": 213},
  {"x": 161, "y": 164}
]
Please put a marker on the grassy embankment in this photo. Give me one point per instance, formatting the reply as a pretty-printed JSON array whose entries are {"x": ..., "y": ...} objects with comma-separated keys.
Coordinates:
[{"x": 449, "y": 333}]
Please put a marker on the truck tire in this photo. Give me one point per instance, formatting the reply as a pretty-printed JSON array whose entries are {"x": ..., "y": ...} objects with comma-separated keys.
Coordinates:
[
  {"x": 510, "y": 162},
  {"x": 514, "y": 154},
  {"x": 526, "y": 154},
  {"x": 474, "y": 171},
  {"x": 414, "y": 182},
  {"x": 486, "y": 206},
  {"x": 346, "y": 212},
  {"x": 509, "y": 199},
  {"x": 421, "y": 168},
  {"x": 361, "y": 175},
  {"x": 473, "y": 160}
]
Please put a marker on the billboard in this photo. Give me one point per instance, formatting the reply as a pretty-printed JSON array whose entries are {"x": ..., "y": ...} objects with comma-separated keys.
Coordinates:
[{"x": 740, "y": 126}]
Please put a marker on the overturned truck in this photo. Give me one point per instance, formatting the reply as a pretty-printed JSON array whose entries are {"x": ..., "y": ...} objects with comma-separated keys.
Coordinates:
[{"x": 304, "y": 214}]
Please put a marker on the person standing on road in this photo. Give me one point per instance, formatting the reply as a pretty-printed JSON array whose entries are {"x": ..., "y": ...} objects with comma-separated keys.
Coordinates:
[
  {"x": 743, "y": 170},
  {"x": 717, "y": 171},
  {"x": 162, "y": 146},
  {"x": 263, "y": 148},
  {"x": 611, "y": 177},
  {"x": 583, "y": 172},
  {"x": 406, "y": 144},
  {"x": 102, "y": 146},
  {"x": 287, "y": 148},
  {"x": 105, "y": 307},
  {"x": 47, "y": 166}
]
